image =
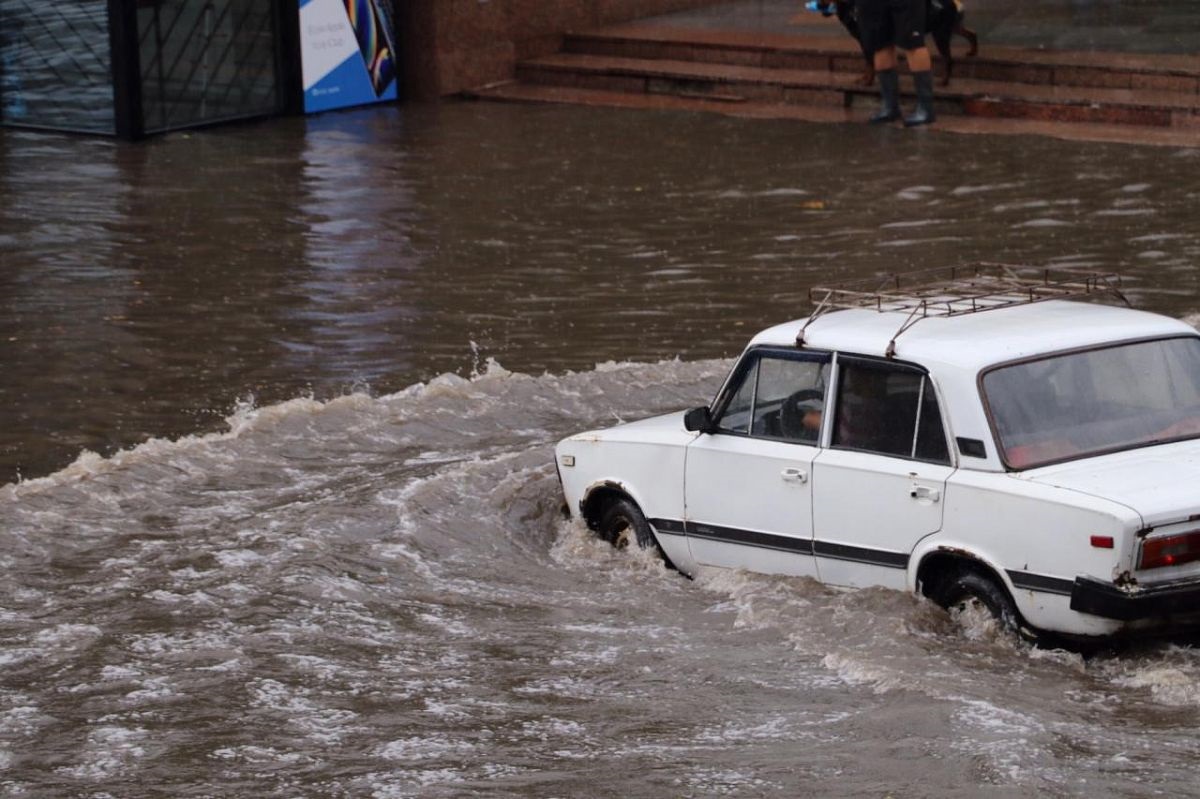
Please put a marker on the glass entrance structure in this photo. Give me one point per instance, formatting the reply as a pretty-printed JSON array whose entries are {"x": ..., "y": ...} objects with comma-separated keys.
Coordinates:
[
  {"x": 134, "y": 67},
  {"x": 56, "y": 65}
]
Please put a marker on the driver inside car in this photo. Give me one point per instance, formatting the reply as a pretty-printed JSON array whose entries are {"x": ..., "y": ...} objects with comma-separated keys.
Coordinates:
[{"x": 801, "y": 416}]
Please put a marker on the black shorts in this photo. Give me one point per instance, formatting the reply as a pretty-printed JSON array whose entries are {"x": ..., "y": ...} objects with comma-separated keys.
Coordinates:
[{"x": 883, "y": 23}]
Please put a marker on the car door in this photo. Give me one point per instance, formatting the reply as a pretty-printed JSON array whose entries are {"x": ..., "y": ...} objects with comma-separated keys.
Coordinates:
[
  {"x": 748, "y": 488},
  {"x": 878, "y": 489}
]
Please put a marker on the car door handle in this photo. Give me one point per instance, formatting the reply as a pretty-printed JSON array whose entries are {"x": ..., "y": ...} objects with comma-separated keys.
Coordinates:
[
  {"x": 925, "y": 492},
  {"x": 793, "y": 475}
]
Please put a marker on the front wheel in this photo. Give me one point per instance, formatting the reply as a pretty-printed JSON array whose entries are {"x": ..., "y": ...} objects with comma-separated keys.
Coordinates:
[{"x": 623, "y": 523}]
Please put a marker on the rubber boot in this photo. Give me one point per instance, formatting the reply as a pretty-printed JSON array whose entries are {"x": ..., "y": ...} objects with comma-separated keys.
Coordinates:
[
  {"x": 889, "y": 93},
  {"x": 924, "y": 113}
]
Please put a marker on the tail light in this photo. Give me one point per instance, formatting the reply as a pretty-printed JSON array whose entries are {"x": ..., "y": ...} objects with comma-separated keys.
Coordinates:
[{"x": 1171, "y": 550}]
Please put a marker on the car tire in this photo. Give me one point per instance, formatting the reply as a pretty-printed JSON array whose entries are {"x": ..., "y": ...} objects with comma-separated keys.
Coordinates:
[
  {"x": 971, "y": 585},
  {"x": 622, "y": 523}
]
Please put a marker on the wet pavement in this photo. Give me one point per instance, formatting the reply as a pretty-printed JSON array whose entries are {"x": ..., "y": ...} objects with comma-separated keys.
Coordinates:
[
  {"x": 1119, "y": 26},
  {"x": 314, "y": 546}
]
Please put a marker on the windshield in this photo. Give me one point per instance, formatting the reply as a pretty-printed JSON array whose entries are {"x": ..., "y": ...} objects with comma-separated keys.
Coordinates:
[{"x": 1085, "y": 403}]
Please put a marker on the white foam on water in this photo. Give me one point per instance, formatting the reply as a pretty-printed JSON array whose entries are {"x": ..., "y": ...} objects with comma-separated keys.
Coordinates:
[
  {"x": 322, "y": 668},
  {"x": 912, "y": 223},
  {"x": 325, "y": 726},
  {"x": 918, "y": 242},
  {"x": 759, "y": 601},
  {"x": 418, "y": 748},
  {"x": 577, "y": 546},
  {"x": 109, "y": 752},
  {"x": 238, "y": 558},
  {"x": 485, "y": 386},
  {"x": 400, "y": 784},
  {"x": 552, "y": 729},
  {"x": 153, "y": 691},
  {"x": 646, "y": 253},
  {"x": 915, "y": 193},
  {"x": 67, "y": 635},
  {"x": 1028, "y": 205},
  {"x": 722, "y": 782},
  {"x": 166, "y": 597},
  {"x": 244, "y": 421},
  {"x": 449, "y": 711},
  {"x": 960, "y": 191},
  {"x": 251, "y": 754},
  {"x": 1126, "y": 212},
  {"x": 165, "y": 646},
  {"x": 593, "y": 656},
  {"x": 436, "y": 617},
  {"x": 565, "y": 687},
  {"x": 773, "y": 728},
  {"x": 1009, "y": 740},
  {"x": 865, "y": 670},
  {"x": 1042, "y": 222},
  {"x": 1170, "y": 678},
  {"x": 1156, "y": 237},
  {"x": 119, "y": 673},
  {"x": 21, "y": 721}
]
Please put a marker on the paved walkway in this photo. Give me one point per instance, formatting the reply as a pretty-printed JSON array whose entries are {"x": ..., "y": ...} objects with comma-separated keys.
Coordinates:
[{"x": 1132, "y": 26}]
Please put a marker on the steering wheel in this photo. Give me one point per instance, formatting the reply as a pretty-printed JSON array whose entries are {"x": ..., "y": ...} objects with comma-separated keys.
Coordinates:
[{"x": 791, "y": 414}]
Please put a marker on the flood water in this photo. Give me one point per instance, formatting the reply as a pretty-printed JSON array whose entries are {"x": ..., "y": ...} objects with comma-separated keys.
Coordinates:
[{"x": 281, "y": 516}]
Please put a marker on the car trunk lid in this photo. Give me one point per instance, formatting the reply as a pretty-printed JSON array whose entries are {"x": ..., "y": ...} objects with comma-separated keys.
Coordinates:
[{"x": 1161, "y": 483}]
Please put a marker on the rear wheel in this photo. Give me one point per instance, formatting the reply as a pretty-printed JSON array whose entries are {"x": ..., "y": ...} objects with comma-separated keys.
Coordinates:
[{"x": 971, "y": 589}]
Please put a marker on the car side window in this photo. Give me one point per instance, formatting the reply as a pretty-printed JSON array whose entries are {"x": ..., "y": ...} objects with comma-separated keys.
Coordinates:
[
  {"x": 736, "y": 416},
  {"x": 889, "y": 409},
  {"x": 779, "y": 398}
]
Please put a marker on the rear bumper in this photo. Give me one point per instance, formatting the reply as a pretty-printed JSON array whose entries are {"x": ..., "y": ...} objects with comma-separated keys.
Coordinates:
[{"x": 1099, "y": 598}]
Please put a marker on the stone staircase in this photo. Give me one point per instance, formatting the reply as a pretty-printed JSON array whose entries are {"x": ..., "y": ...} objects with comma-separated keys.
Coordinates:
[{"x": 1097, "y": 96}]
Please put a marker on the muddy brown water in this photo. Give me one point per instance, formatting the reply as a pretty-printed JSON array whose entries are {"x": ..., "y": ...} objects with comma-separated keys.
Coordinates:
[{"x": 281, "y": 517}]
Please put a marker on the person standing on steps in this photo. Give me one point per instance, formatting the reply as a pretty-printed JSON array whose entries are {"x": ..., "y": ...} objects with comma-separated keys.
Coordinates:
[{"x": 886, "y": 25}]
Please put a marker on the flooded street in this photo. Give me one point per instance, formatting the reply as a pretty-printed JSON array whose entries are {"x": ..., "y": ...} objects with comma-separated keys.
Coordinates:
[{"x": 277, "y": 499}]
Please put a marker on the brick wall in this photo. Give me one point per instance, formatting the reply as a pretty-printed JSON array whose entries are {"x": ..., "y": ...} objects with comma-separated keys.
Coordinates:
[{"x": 451, "y": 45}]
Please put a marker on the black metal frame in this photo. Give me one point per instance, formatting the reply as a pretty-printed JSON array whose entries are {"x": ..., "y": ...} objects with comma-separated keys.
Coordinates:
[{"x": 126, "y": 69}]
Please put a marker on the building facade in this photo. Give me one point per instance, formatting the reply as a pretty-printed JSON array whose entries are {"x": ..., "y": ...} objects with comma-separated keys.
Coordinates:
[{"x": 130, "y": 68}]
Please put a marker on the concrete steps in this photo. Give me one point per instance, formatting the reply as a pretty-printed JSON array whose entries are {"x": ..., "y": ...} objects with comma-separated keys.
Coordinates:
[
  {"x": 840, "y": 53},
  {"x": 720, "y": 70}
]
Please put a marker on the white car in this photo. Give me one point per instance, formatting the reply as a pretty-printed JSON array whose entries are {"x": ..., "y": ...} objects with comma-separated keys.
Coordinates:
[{"x": 976, "y": 440}]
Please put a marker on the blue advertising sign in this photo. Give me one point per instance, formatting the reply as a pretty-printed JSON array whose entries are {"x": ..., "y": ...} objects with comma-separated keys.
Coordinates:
[{"x": 347, "y": 54}]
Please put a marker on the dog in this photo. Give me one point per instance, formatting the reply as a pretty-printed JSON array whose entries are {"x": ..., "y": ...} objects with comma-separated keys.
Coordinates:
[{"x": 943, "y": 19}]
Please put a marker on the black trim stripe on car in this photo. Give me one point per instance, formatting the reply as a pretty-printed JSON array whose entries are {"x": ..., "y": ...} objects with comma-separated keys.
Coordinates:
[
  {"x": 1040, "y": 582},
  {"x": 875, "y": 557},
  {"x": 732, "y": 535},
  {"x": 668, "y": 526},
  {"x": 782, "y": 543}
]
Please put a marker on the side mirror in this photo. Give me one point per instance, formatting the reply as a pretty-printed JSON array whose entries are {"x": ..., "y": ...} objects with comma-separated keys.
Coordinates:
[{"x": 698, "y": 420}]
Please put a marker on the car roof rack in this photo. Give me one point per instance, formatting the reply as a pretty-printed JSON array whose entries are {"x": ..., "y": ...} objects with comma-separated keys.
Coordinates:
[{"x": 960, "y": 290}]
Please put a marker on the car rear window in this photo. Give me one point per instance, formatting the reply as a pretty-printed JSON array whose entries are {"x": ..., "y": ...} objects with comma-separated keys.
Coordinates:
[{"x": 1095, "y": 401}]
